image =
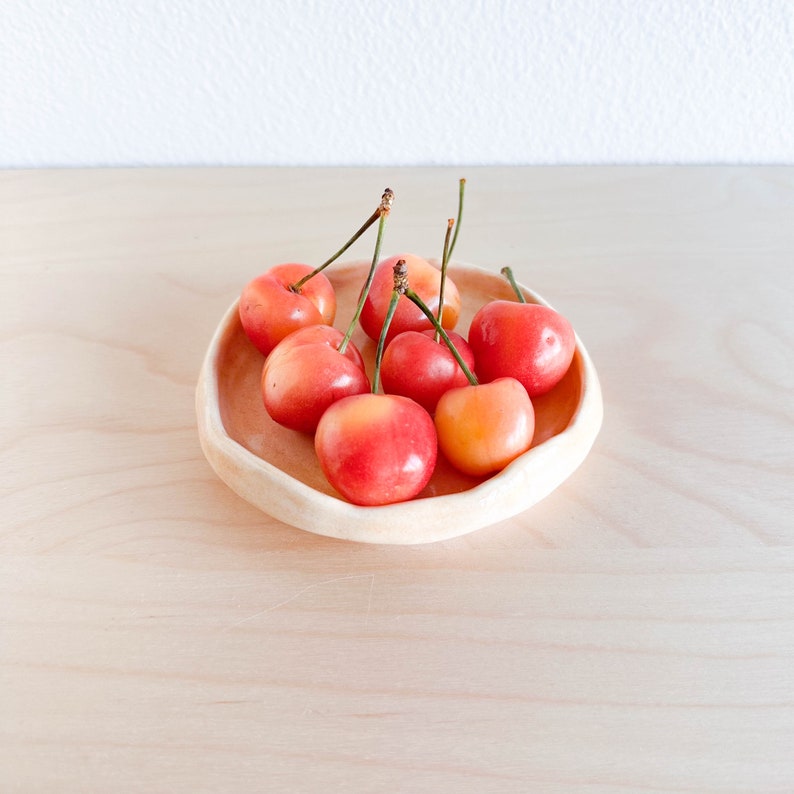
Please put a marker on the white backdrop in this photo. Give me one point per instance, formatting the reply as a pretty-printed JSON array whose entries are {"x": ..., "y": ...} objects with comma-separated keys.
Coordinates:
[{"x": 158, "y": 82}]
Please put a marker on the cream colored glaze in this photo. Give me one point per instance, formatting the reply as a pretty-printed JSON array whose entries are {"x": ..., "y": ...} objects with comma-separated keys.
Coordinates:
[{"x": 276, "y": 470}]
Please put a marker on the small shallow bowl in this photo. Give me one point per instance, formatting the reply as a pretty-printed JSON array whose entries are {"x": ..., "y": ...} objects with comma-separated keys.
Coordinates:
[{"x": 276, "y": 469}]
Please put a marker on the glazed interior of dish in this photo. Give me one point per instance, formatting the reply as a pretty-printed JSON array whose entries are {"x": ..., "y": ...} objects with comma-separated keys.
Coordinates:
[{"x": 246, "y": 421}]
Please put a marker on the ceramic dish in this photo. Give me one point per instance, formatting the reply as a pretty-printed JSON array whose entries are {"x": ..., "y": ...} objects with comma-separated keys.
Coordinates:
[{"x": 276, "y": 470}]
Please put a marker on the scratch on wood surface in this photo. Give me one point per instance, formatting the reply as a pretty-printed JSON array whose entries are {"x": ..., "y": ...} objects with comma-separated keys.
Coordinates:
[{"x": 273, "y": 607}]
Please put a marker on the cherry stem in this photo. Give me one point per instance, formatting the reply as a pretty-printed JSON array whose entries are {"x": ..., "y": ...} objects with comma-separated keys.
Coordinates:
[
  {"x": 400, "y": 271},
  {"x": 388, "y": 196},
  {"x": 461, "y": 189},
  {"x": 383, "y": 211},
  {"x": 411, "y": 295},
  {"x": 508, "y": 274},
  {"x": 444, "y": 263}
]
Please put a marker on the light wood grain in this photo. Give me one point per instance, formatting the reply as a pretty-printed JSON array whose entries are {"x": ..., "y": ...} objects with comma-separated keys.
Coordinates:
[{"x": 634, "y": 631}]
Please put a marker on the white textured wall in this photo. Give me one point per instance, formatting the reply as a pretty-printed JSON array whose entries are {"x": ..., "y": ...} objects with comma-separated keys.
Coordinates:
[{"x": 86, "y": 82}]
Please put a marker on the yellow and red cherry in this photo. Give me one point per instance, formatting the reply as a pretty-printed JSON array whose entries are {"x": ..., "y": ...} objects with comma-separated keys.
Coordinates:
[
  {"x": 417, "y": 366},
  {"x": 425, "y": 280},
  {"x": 481, "y": 428},
  {"x": 306, "y": 373},
  {"x": 376, "y": 449},
  {"x": 271, "y": 307}
]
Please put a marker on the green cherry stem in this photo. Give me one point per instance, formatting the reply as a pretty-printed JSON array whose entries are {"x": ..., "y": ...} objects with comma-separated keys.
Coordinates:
[
  {"x": 461, "y": 189},
  {"x": 388, "y": 197},
  {"x": 508, "y": 274},
  {"x": 383, "y": 210},
  {"x": 444, "y": 263},
  {"x": 400, "y": 271},
  {"x": 411, "y": 295}
]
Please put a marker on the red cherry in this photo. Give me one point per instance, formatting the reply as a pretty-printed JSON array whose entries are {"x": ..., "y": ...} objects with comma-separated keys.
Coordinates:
[
  {"x": 270, "y": 309},
  {"x": 526, "y": 341},
  {"x": 417, "y": 366},
  {"x": 376, "y": 449},
  {"x": 305, "y": 374},
  {"x": 425, "y": 280}
]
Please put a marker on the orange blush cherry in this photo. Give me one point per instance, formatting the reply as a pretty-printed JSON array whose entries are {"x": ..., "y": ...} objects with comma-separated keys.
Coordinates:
[{"x": 482, "y": 428}]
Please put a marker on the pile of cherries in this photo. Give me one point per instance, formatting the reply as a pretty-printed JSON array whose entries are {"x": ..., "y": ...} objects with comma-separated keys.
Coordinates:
[{"x": 432, "y": 389}]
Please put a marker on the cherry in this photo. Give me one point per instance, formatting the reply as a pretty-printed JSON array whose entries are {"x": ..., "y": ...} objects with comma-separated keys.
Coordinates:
[
  {"x": 481, "y": 428},
  {"x": 526, "y": 341},
  {"x": 417, "y": 366},
  {"x": 270, "y": 308},
  {"x": 425, "y": 279},
  {"x": 376, "y": 449},
  {"x": 290, "y": 296},
  {"x": 306, "y": 373}
]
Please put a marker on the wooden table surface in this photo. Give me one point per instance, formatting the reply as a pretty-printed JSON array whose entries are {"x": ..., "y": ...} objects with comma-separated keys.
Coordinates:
[{"x": 632, "y": 632}]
